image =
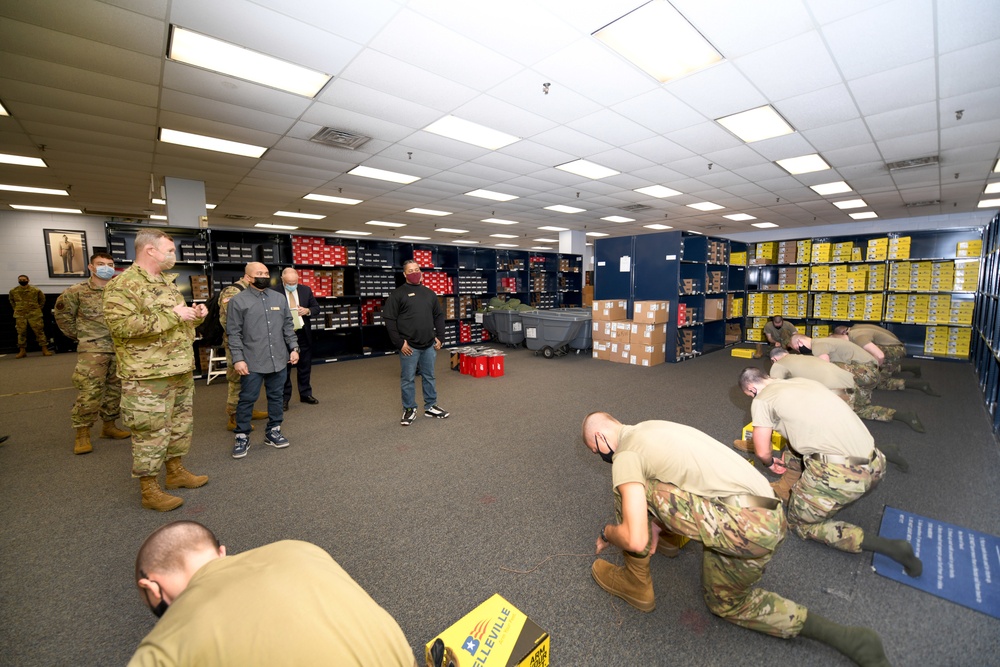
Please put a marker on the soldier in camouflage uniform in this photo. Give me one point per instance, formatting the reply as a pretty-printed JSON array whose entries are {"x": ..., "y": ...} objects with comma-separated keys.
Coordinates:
[
  {"x": 697, "y": 487},
  {"x": 839, "y": 461},
  {"x": 841, "y": 382},
  {"x": 153, "y": 332},
  {"x": 889, "y": 353},
  {"x": 233, "y": 396},
  {"x": 79, "y": 312},
  {"x": 27, "y": 302}
]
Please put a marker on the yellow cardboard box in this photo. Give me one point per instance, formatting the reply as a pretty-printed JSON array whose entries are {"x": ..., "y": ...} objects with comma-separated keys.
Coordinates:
[{"x": 494, "y": 633}]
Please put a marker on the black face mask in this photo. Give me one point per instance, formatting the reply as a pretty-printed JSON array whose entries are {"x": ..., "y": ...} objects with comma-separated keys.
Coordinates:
[
  {"x": 804, "y": 350},
  {"x": 609, "y": 455},
  {"x": 159, "y": 609},
  {"x": 261, "y": 283},
  {"x": 22, "y": 282}
]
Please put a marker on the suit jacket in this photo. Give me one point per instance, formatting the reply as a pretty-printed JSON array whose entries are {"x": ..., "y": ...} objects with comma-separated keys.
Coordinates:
[{"x": 304, "y": 297}]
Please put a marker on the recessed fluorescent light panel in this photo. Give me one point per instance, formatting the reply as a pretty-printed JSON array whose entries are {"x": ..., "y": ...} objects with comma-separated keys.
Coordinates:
[
  {"x": 449, "y": 230},
  {"x": 997, "y": 166},
  {"x": 835, "y": 188},
  {"x": 705, "y": 206},
  {"x": 3, "y": 111},
  {"x": 427, "y": 211},
  {"x": 210, "y": 143},
  {"x": 34, "y": 191},
  {"x": 267, "y": 225},
  {"x": 44, "y": 209},
  {"x": 540, "y": 247},
  {"x": 380, "y": 223},
  {"x": 416, "y": 238},
  {"x": 850, "y": 203},
  {"x": 657, "y": 226},
  {"x": 547, "y": 240},
  {"x": 803, "y": 164},
  {"x": 6, "y": 158},
  {"x": 559, "y": 208},
  {"x": 383, "y": 175},
  {"x": 213, "y": 54},
  {"x": 157, "y": 217},
  {"x": 597, "y": 234},
  {"x": 160, "y": 202},
  {"x": 489, "y": 194},
  {"x": 587, "y": 169},
  {"x": 739, "y": 217},
  {"x": 659, "y": 41},
  {"x": 657, "y": 191},
  {"x": 618, "y": 218},
  {"x": 553, "y": 229},
  {"x": 756, "y": 124},
  {"x": 504, "y": 236},
  {"x": 348, "y": 232},
  {"x": 864, "y": 216},
  {"x": 992, "y": 188},
  {"x": 763, "y": 225},
  {"x": 294, "y": 214},
  {"x": 210, "y": 206},
  {"x": 464, "y": 242},
  {"x": 694, "y": 232},
  {"x": 983, "y": 203},
  {"x": 471, "y": 133},
  {"x": 499, "y": 221},
  {"x": 507, "y": 245},
  {"x": 334, "y": 200}
]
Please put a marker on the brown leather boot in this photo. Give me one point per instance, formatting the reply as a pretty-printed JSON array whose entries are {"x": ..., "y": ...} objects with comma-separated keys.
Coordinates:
[
  {"x": 232, "y": 422},
  {"x": 783, "y": 487},
  {"x": 153, "y": 497},
  {"x": 259, "y": 414},
  {"x": 46, "y": 351},
  {"x": 81, "y": 445},
  {"x": 670, "y": 544},
  {"x": 22, "y": 353},
  {"x": 631, "y": 583},
  {"x": 744, "y": 446},
  {"x": 110, "y": 430},
  {"x": 178, "y": 477}
]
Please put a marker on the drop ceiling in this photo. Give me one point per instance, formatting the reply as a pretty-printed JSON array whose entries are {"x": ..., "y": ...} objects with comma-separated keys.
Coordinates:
[{"x": 862, "y": 82}]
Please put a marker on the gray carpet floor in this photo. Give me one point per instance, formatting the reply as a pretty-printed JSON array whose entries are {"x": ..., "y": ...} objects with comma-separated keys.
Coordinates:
[{"x": 432, "y": 519}]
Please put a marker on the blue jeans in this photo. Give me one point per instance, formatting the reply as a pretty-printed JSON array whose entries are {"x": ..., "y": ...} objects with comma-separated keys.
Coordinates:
[
  {"x": 422, "y": 360},
  {"x": 274, "y": 387}
]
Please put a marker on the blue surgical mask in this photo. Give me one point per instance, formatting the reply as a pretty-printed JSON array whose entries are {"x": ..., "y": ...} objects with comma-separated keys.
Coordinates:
[
  {"x": 291, "y": 288},
  {"x": 105, "y": 272}
]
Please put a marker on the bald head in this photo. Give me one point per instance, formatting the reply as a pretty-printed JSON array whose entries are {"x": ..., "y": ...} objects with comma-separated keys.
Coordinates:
[
  {"x": 167, "y": 548},
  {"x": 255, "y": 271},
  {"x": 290, "y": 276}
]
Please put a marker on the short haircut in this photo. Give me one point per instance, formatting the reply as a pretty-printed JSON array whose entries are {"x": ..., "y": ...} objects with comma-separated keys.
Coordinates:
[
  {"x": 841, "y": 330},
  {"x": 588, "y": 423},
  {"x": 23, "y": 276},
  {"x": 750, "y": 376},
  {"x": 101, "y": 255},
  {"x": 149, "y": 237},
  {"x": 167, "y": 547},
  {"x": 410, "y": 261},
  {"x": 778, "y": 352},
  {"x": 777, "y": 317}
]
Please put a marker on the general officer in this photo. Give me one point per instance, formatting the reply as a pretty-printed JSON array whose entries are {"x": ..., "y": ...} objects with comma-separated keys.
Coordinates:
[
  {"x": 79, "y": 313},
  {"x": 697, "y": 487},
  {"x": 232, "y": 377},
  {"x": 837, "y": 456},
  {"x": 153, "y": 332},
  {"x": 27, "y": 302}
]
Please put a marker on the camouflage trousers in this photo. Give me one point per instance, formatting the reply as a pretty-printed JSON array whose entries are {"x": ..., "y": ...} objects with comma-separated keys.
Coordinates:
[
  {"x": 22, "y": 322},
  {"x": 100, "y": 390},
  {"x": 160, "y": 415},
  {"x": 738, "y": 544},
  {"x": 822, "y": 491},
  {"x": 233, "y": 378},
  {"x": 890, "y": 366},
  {"x": 860, "y": 398}
]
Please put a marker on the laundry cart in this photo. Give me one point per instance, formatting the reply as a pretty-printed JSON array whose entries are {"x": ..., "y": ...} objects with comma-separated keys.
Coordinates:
[
  {"x": 554, "y": 332},
  {"x": 505, "y": 326}
]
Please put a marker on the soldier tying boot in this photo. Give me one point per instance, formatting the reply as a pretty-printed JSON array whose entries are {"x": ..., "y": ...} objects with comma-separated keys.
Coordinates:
[
  {"x": 888, "y": 351},
  {"x": 79, "y": 313},
  {"x": 153, "y": 331},
  {"x": 838, "y": 460},
  {"x": 697, "y": 487},
  {"x": 27, "y": 302}
]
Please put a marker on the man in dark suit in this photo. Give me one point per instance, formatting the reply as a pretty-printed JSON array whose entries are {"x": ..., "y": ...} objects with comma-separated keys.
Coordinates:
[{"x": 303, "y": 305}]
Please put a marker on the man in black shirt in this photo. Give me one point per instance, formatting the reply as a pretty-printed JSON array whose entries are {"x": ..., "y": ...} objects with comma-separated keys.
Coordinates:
[{"x": 415, "y": 322}]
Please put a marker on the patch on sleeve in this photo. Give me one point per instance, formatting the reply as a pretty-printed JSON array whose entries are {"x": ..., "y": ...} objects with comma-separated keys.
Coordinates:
[
  {"x": 60, "y": 305},
  {"x": 226, "y": 300}
]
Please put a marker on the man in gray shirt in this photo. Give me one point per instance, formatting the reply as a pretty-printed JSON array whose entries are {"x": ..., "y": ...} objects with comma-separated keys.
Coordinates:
[{"x": 261, "y": 334}]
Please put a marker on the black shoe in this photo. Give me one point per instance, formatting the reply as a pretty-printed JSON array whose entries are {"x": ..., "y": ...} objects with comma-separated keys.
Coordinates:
[
  {"x": 284, "y": 406},
  {"x": 309, "y": 399}
]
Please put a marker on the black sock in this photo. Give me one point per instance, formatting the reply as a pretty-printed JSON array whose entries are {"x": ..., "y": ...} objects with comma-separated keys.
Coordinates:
[{"x": 898, "y": 550}]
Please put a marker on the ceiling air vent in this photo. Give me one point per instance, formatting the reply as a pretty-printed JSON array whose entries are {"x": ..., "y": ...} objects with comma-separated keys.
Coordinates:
[
  {"x": 339, "y": 138},
  {"x": 236, "y": 216},
  {"x": 633, "y": 208},
  {"x": 912, "y": 164},
  {"x": 918, "y": 204}
]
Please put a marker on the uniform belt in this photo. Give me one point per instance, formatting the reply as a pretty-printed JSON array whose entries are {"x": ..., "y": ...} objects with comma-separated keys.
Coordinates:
[
  {"x": 748, "y": 500},
  {"x": 843, "y": 460}
]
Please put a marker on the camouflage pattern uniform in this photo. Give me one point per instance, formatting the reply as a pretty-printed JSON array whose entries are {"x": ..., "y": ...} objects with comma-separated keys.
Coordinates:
[
  {"x": 860, "y": 400},
  {"x": 822, "y": 491},
  {"x": 154, "y": 350},
  {"x": 233, "y": 396},
  {"x": 891, "y": 347},
  {"x": 738, "y": 544},
  {"x": 27, "y": 302},
  {"x": 79, "y": 312}
]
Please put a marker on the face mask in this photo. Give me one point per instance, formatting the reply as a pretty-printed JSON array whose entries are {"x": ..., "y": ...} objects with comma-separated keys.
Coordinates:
[
  {"x": 607, "y": 457},
  {"x": 413, "y": 278},
  {"x": 104, "y": 272},
  {"x": 22, "y": 282},
  {"x": 291, "y": 288},
  {"x": 805, "y": 350},
  {"x": 261, "y": 283},
  {"x": 169, "y": 259},
  {"x": 159, "y": 609}
]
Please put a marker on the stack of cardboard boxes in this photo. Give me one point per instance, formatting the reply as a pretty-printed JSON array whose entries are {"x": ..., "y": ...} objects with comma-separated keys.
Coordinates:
[
  {"x": 716, "y": 252},
  {"x": 947, "y": 340},
  {"x": 315, "y": 250},
  {"x": 323, "y": 283},
  {"x": 716, "y": 282},
  {"x": 640, "y": 341},
  {"x": 899, "y": 247},
  {"x": 425, "y": 258},
  {"x": 199, "y": 288},
  {"x": 763, "y": 253}
]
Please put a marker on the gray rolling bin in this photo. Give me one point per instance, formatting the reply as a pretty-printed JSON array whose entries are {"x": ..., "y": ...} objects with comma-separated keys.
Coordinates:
[
  {"x": 505, "y": 326},
  {"x": 554, "y": 332}
]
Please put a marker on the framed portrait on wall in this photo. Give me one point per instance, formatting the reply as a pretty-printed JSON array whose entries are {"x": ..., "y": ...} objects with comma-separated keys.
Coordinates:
[{"x": 66, "y": 253}]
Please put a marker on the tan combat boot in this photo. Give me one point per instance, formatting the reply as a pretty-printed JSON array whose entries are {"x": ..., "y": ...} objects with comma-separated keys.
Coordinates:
[
  {"x": 259, "y": 414},
  {"x": 153, "y": 497},
  {"x": 22, "y": 353},
  {"x": 178, "y": 477},
  {"x": 232, "y": 421},
  {"x": 81, "y": 445},
  {"x": 46, "y": 351},
  {"x": 783, "y": 487},
  {"x": 113, "y": 432},
  {"x": 631, "y": 583}
]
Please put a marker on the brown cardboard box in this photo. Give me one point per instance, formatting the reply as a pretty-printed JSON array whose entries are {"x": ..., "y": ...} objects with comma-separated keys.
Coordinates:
[
  {"x": 619, "y": 352},
  {"x": 601, "y": 331},
  {"x": 609, "y": 310},
  {"x": 652, "y": 312},
  {"x": 621, "y": 331},
  {"x": 648, "y": 355},
  {"x": 602, "y": 350},
  {"x": 648, "y": 334},
  {"x": 715, "y": 309}
]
